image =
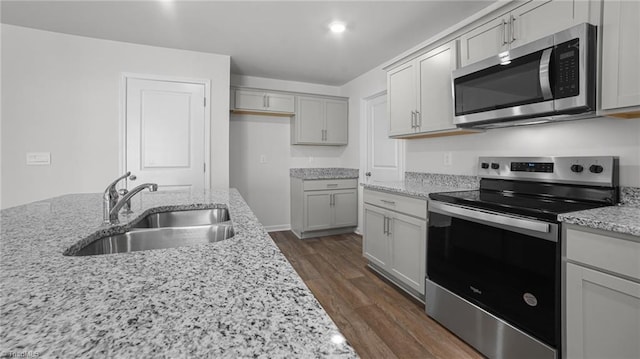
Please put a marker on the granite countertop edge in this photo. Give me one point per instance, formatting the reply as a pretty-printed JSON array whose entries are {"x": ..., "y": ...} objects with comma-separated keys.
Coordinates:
[{"x": 324, "y": 173}]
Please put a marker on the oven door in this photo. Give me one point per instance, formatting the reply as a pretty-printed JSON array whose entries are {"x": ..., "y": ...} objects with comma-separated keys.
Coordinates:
[{"x": 506, "y": 265}]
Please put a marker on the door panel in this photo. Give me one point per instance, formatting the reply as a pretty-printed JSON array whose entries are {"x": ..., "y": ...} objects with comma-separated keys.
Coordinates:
[
  {"x": 311, "y": 119},
  {"x": 249, "y": 100},
  {"x": 165, "y": 133},
  {"x": 318, "y": 212},
  {"x": 538, "y": 19},
  {"x": 602, "y": 315},
  {"x": 165, "y": 113},
  {"x": 436, "y": 100},
  {"x": 484, "y": 41},
  {"x": 401, "y": 89},
  {"x": 336, "y": 113},
  {"x": 375, "y": 245},
  {"x": 345, "y": 208},
  {"x": 408, "y": 250},
  {"x": 384, "y": 154},
  {"x": 280, "y": 102}
]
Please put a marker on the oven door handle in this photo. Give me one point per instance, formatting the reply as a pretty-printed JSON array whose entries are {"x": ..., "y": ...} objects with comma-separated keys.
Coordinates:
[
  {"x": 544, "y": 73},
  {"x": 490, "y": 217}
]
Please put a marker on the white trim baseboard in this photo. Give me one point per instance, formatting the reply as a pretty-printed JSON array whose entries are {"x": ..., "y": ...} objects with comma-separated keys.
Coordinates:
[{"x": 278, "y": 228}]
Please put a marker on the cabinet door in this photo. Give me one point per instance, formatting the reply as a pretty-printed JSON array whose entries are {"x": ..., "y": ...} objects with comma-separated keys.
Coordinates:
[
  {"x": 375, "y": 242},
  {"x": 249, "y": 100},
  {"x": 336, "y": 117},
  {"x": 620, "y": 33},
  {"x": 538, "y": 19},
  {"x": 310, "y": 120},
  {"x": 602, "y": 315},
  {"x": 401, "y": 93},
  {"x": 408, "y": 250},
  {"x": 317, "y": 210},
  {"x": 485, "y": 41},
  {"x": 280, "y": 102},
  {"x": 345, "y": 208},
  {"x": 436, "y": 98}
]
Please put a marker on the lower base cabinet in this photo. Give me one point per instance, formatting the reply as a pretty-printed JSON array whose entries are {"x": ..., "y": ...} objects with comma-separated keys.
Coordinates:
[
  {"x": 601, "y": 295},
  {"x": 395, "y": 238},
  {"x": 323, "y": 207}
]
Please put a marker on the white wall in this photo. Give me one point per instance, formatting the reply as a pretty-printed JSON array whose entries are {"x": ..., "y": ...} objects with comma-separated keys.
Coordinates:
[
  {"x": 60, "y": 94},
  {"x": 265, "y": 186},
  {"x": 599, "y": 136}
]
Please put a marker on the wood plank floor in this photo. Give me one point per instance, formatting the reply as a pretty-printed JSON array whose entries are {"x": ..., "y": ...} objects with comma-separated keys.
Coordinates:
[{"x": 377, "y": 319}]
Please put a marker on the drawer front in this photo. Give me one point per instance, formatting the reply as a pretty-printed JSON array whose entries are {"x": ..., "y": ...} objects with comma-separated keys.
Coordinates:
[
  {"x": 318, "y": 185},
  {"x": 408, "y": 205},
  {"x": 602, "y": 251}
]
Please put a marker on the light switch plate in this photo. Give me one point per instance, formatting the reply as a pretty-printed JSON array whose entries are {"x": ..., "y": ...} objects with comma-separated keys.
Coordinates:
[{"x": 38, "y": 158}]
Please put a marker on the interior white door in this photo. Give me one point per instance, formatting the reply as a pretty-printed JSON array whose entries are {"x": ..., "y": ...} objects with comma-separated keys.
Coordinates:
[
  {"x": 165, "y": 133},
  {"x": 384, "y": 154}
]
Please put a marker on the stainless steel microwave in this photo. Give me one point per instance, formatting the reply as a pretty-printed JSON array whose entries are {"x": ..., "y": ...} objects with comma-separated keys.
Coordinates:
[{"x": 551, "y": 79}]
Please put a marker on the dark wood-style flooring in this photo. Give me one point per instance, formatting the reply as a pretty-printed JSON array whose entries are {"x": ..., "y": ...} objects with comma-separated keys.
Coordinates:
[{"x": 377, "y": 318}]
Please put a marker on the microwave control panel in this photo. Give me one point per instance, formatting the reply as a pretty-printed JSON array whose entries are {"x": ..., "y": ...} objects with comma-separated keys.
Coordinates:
[{"x": 567, "y": 80}]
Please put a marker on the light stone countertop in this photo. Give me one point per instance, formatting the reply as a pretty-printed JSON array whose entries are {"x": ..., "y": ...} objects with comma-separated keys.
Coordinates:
[
  {"x": 419, "y": 185},
  {"x": 235, "y": 298},
  {"x": 619, "y": 219},
  {"x": 323, "y": 173}
]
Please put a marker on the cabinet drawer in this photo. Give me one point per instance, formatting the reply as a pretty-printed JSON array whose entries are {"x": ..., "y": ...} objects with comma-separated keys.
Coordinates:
[
  {"x": 317, "y": 185},
  {"x": 602, "y": 251},
  {"x": 411, "y": 206}
]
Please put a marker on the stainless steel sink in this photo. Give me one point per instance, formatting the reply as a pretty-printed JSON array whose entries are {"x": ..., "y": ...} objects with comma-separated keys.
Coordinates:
[
  {"x": 157, "y": 238},
  {"x": 184, "y": 218},
  {"x": 166, "y": 230}
]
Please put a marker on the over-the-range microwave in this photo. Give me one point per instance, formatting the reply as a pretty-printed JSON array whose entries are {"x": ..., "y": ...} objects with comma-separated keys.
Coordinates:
[{"x": 550, "y": 79}]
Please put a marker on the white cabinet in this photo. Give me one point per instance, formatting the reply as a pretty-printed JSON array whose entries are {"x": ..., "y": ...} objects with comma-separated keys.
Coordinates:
[
  {"x": 323, "y": 207},
  {"x": 601, "y": 294},
  {"x": 395, "y": 237},
  {"x": 320, "y": 121},
  {"x": 620, "y": 74},
  {"x": 531, "y": 21},
  {"x": 419, "y": 92},
  {"x": 261, "y": 101}
]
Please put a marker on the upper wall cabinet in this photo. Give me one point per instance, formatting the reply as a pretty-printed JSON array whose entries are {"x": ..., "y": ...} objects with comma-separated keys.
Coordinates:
[
  {"x": 527, "y": 23},
  {"x": 320, "y": 121},
  {"x": 419, "y": 94},
  {"x": 620, "y": 80},
  {"x": 263, "y": 102}
]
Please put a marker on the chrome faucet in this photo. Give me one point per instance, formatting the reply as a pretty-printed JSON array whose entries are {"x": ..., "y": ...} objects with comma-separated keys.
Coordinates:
[
  {"x": 113, "y": 214},
  {"x": 110, "y": 197}
]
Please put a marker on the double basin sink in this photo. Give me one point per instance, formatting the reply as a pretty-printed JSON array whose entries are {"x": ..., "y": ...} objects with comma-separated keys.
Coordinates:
[{"x": 166, "y": 230}]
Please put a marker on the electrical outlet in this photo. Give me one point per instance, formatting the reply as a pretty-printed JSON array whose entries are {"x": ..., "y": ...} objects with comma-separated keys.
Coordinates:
[
  {"x": 263, "y": 158},
  {"x": 447, "y": 159}
]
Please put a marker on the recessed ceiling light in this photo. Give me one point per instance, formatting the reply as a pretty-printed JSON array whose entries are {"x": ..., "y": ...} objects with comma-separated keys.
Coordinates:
[{"x": 337, "y": 27}]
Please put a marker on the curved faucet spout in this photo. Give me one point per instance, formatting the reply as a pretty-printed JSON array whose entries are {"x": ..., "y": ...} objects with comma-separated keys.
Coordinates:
[{"x": 113, "y": 214}]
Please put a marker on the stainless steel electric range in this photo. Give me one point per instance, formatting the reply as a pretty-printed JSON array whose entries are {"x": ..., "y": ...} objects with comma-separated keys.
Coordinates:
[{"x": 493, "y": 254}]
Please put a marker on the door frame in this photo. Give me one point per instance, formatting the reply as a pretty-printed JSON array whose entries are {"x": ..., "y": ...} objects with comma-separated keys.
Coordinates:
[{"x": 122, "y": 123}]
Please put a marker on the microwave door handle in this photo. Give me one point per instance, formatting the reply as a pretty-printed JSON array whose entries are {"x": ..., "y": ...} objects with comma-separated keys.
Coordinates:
[{"x": 545, "y": 78}]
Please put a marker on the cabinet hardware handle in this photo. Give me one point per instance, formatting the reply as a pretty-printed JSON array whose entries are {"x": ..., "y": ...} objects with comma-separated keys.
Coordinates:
[
  {"x": 418, "y": 119},
  {"x": 504, "y": 33},
  {"x": 332, "y": 200},
  {"x": 384, "y": 225},
  {"x": 413, "y": 119},
  {"x": 268, "y": 104},
  {"x": 512, "y": 26},
  {"x": 388, "y": 202},
  {"x": 388, "y": 226},
  {"x": 332, "y": 185}
]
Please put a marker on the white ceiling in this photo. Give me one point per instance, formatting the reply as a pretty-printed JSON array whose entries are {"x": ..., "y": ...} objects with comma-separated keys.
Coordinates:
[{"x": 287, "y": 40}]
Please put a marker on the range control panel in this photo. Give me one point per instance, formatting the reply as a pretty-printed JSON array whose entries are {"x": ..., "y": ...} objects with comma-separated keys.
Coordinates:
[{"x": 595, "y": 170}]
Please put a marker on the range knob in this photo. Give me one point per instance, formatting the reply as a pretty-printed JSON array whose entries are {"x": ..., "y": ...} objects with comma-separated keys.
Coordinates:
[
  {"x": 495, "y": 166},
  {"x": 577, "y": 168},
  {"x": 484, "y": 165},
  {"x": 596, "y": 169}
]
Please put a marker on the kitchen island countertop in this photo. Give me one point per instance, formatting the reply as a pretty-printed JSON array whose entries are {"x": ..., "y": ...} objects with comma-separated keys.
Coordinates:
[{"x": 236, "y": 298}]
